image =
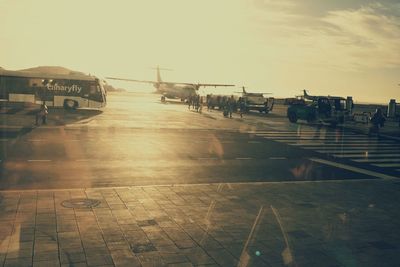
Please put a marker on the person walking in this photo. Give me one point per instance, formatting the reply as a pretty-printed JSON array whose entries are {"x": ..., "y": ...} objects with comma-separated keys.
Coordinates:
[
  {"x": 231, "y": 103},
  {"x": 242, "y": 107},
  {"x": 201, "y": 99},
  {"x": 44, "y": 111},
  {"x": 208, "y": 99},
  {"x": 378, "y": 121},
  {"x": 189, "y": 101}
]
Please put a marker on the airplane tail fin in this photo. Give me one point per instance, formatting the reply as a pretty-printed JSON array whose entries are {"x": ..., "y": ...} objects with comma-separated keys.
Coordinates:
[
  {"x": 305, "y": 93},
  {"x": 244, "y": 90},
  {"x": 159, "y": 80},
  {"x": 158, "y": 75}
]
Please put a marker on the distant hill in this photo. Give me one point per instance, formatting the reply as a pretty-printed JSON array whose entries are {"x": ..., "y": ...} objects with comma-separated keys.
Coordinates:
[
  {"x": 110, "y": 88},
  {"x": 54, "y": 70},
  {"x": 58, "y": 70}
]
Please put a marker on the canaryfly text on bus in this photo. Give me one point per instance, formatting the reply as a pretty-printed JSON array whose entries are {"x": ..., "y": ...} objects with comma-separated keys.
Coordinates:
[{"x": 66, "y": 88}]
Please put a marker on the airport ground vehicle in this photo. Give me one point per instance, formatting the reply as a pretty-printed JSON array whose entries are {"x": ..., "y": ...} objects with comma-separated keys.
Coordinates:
[
  {"x": 327, "y": 109},
  {"x": 68, "y": 91},
  {"x": 257, "y": 101},
  {"x": 294, "y": 100},
  {"x": 219, "y": 101}
]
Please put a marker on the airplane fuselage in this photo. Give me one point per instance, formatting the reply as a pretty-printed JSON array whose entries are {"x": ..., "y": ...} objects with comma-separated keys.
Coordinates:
[{"x": 176, "y": 91}]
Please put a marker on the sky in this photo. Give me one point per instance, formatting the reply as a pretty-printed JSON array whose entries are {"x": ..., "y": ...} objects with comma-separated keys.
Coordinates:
[{"x": 342, "y": 47}]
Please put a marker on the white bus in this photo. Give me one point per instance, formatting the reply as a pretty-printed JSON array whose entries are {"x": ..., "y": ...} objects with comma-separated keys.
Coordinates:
[{"x": 68, "y": 91}]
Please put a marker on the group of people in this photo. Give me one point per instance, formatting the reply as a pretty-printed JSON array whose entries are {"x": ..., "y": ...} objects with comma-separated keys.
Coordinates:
[
  {"x": 227, "y": 105},
  {"x": 231, "y": 105},
  {"x": 196, "y": 102}
]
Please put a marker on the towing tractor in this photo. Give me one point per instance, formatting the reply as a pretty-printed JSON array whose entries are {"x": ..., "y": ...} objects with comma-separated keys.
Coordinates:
[{"x": 325, "y": 109}]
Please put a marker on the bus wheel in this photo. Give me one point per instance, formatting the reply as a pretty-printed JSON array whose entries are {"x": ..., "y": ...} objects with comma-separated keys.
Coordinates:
[
  {"x": 310, "y": 118},
  {"x": 70, "y": 104}
]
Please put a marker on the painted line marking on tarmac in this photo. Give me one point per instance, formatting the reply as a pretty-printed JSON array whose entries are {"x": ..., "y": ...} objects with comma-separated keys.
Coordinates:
[
  {"x": 253, "y": 142},
  {"x": 36, "y": 140},
  {"x": 295, "y": 132},
  {"x": 39, "y": 160},
  {"x": 322, "y": 136},
  {"x": 318, "y": 144},
  {"x": 312, "y": 135},
  {"x": 277, "y": 158},
  {"x": 243, "y": 158},
  {"x": 4, "y": 140},
  {"x": 357, "y": 139},
  {"x": 207, "y": 158},
  {"x": 356, "y": 152},
  {"x": 346, "y": 142},
  {"x": 90, "y": 189},
  {"x": 354, "y": 148},
  {"x": 377, "y": 160},
  {"x": 387, "y": 165},
  {"x": 353, "y": 169},
  {"x": 365, "y": 155}
]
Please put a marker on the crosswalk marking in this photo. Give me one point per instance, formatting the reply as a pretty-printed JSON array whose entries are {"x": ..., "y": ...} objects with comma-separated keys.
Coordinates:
[
  {"x": 358, "y": 142},
  {"x": 352, "y": 148},
  {"x": 355, "y": 169},
  {"x": 377, "y": 160},
  {"x": 366, "y": 155},
  {"x": 356, "y": 139},
  {"x": 311, "y": 144},
  {"x": 383, "y": 153},
  {"x": 312, "y": 135},
  {"x": 391, "y": 165},
  {"x": 356, "y": 152}
]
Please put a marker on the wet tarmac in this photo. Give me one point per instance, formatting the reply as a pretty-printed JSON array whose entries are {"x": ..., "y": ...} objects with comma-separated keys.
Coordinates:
[{"x": 136, "y": 140}]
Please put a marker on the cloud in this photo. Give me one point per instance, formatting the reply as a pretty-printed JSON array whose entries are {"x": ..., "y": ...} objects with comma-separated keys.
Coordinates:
[
  {"x": 355, "y": 39},
  {"x": 367, "y": 36}
]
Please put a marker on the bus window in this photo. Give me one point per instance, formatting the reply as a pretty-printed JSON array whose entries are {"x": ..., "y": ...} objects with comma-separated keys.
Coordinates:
[
  {"x": 340, "y": 104},
  {"x": 35, "y": 82},
  {"x": 3, "y": 89},
  {"x": 92, "y": 89}
]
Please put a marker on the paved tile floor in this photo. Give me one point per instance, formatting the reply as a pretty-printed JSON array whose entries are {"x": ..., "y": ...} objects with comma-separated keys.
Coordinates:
[{"x": 333, "y": 223}]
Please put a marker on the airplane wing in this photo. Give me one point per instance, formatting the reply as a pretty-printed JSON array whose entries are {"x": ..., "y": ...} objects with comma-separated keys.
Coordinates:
[
  {"x": 130, "y": 80},
  {"x": 197, "y": 85},
  {"x": 212, "y": 84}
]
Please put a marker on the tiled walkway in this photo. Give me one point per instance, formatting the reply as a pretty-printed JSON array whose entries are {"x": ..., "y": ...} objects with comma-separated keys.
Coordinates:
[{"x": 334, "y": 223}]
